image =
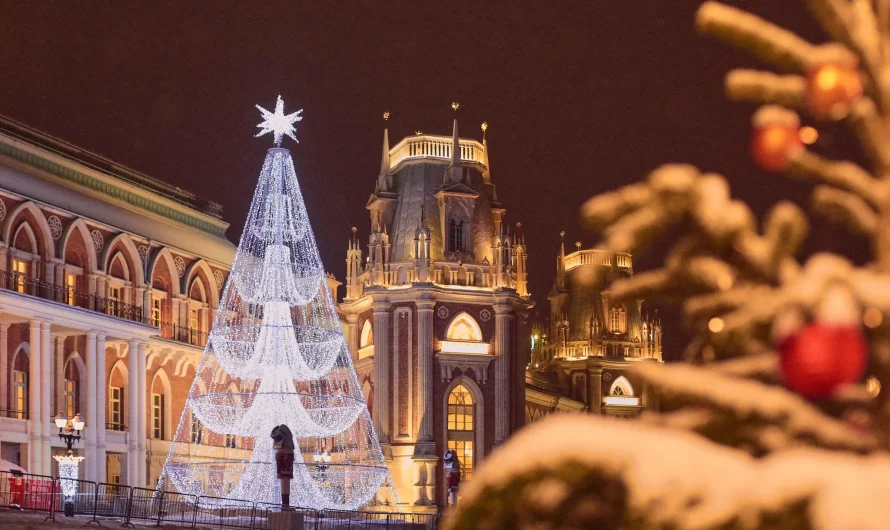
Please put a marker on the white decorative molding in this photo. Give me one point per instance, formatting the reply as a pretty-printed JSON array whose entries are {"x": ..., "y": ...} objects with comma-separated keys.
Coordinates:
[
  {"x": 479, "y": 363},
  {"x": 485, "y": 315},
  {"x": 443, "y": 312},
  {"x": 180, "y": 265},
  {"x": 143, "y": 253},
  {"x": 219, "y": 278},
  {"x": 98, "y": 240},
  {"x": 55, "y": 226}
]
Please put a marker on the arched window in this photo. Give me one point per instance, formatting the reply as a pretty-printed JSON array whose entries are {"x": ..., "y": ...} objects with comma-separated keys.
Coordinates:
[
  {"x": 366, "y": 340},
  {"x": 455, "y": 235},
  {"x": 621, "y": 387},
  {"x": 464, "y": 327},
  {"x": 461, "y": 427}
]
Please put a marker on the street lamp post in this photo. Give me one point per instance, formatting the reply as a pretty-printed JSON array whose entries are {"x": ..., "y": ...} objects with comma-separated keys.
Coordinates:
[{"x": 69, "y": 432}]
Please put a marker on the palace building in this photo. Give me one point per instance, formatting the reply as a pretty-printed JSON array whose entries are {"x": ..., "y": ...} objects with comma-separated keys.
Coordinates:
[
  {"x": 109, "y": 283},
  {"x": 436, "y": 312},
  {"x": 582, "y": 360}
]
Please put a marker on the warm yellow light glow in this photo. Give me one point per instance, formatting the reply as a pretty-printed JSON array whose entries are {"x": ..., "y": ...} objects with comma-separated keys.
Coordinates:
[
  {"x": 828, "y": 77},
  {"x": 418, "y": 133},
  {"x": 386, "y": 115},
  {"x": 621, "y": 400},
  {"x": 873, "y": 386},
  {"x": 474, "y": 348},
  {"x": 464, "y": 328},
  {"x": 716, "y": 325},
  {"x": 484, "y": 126},
  {"x": 872, "y": 317},
  {"x": 808, "y": 135},
  {"x": 455, "y": 105},
  {"x": 366, "y": 351},
  {"x": 725, "y": 282}
]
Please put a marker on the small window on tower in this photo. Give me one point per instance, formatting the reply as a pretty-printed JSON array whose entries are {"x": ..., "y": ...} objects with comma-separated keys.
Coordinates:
[{"x": 455, "y": 236}]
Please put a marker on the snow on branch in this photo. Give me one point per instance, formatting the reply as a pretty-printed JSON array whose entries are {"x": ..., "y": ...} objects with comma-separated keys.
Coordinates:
[
  {"x": 577, "y": 471},
  {"x": 751, "y": 400},
  {"x": 766, "y": 40},
  {"x": 871, "y": 130},
  {"x": 847, "y": 209},
  {"x": 766, "y": 87},
  {"x": 845, "y": 175}
]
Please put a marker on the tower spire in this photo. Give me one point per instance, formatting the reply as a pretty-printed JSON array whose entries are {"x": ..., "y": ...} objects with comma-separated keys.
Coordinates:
[
  {"x": 561, "y": 272},
  {"x": 454, "y": 173},
  {"x": 383, "y": 180},
  {"x": 486, "y": 173}
]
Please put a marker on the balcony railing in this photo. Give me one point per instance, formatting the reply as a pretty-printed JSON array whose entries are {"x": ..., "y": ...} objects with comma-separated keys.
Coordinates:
[
  {"x": 14, "y": 414},
  {"x": 169, "y": 330},
  {"x": 596, "y": 256},
  {"x": 13, "y": 281},
  {"x": 435, "y": 147},
  {"x": 115, "y": 427}
]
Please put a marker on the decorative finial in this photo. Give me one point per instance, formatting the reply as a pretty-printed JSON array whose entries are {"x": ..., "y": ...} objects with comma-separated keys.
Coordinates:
[
  {"x": 484, "y": 128},
  {"x": 418, "y": 133},
  {"x": 578, "y": 245},
  {"x": 518, "y": 225},
  {"x": 562, "y": 234},
  {"x": 278, "y": 123},
  {"x": 385, "y": 115},
  {"x": 455, "y": 105},
  {"x": 354, "y": 230}
]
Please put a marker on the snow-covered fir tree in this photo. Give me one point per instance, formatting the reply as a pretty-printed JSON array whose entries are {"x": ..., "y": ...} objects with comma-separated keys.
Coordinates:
[{"x": 777, "y": 419}]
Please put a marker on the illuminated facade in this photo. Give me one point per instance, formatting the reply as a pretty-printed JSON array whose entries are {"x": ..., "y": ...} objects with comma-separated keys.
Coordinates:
[
  {"x": 582, "y": 361},
  {"x": 109, "y": 282},
  {"x": 435, "y": 312}
]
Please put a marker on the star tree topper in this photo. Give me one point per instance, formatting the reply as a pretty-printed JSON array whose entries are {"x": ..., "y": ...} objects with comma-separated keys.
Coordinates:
[{"x": 278, "y": 123}]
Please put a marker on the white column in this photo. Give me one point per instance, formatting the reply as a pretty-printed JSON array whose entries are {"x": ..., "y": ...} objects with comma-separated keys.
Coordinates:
[
  {"x": 143, "y": 412},
  {"x": 4, "y": 367},
  {"x": 60, "y": 375},
  {"x": 502, "y": 404},
  {"x": 46, "y": 382},
  {"x": 101, "y": 394},
  {"x": 146, "y": 305},
  {"x": 36, "y": 430},
  {"x": 92, "y": 424},
  {"x": 132, "y": 399},
  {"x": 382, "y": 367},
  {"x": 425, "y": 369}
]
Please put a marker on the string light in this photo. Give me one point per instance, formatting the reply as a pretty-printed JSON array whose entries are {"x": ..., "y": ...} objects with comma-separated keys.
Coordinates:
[
  {"x": 68, "y": 472},
  {"x": 277, "y": 355}
]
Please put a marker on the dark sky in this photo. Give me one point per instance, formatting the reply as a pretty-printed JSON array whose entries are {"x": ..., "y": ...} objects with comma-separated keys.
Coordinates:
[{"x": 581, "y": 97}]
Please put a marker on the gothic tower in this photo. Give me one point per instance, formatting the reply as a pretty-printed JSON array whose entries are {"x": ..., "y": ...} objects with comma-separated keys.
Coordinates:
[{"x": 436, "y": 313}]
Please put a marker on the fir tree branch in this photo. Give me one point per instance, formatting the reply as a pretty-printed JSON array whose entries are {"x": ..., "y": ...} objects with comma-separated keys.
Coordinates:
[
  {"x": 766, "y": 88},
  {"x": 753, "y": 401},
  {"x": 771, "y": 43},
  {"x": 869, "y": 127},
  {"x": 841, "y": 174},
  {"x": 847, "y": 209}
]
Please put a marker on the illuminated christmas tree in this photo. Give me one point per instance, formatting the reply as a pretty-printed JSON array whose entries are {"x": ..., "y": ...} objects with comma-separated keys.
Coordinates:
[
  {"x": 277, "y": 355},
  {"x": 780, "y": 418}
]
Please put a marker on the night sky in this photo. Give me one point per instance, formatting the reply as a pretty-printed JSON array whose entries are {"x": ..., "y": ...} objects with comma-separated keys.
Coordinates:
[{"x": 581, "y": 97}]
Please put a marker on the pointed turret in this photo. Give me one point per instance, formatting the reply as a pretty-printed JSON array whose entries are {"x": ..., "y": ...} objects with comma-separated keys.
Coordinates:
[
  {"x": 454, "y": 173},
  {"x": 486, "y": 173},
  {"x": 561, "y": 270},
  {"x": 384, "y": 179}
]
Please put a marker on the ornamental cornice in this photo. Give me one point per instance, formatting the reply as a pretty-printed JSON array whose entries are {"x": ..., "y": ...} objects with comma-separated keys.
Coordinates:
[{"x": 110, "y": 189}]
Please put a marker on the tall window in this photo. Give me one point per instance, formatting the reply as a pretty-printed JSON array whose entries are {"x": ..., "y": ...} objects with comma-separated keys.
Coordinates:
[
  {"x": 229, "y": 441},
  {"x": 70, "y": 287},
  {"x": 70, "y": 398},
  {"x": 196, "y": 430},
  {"x": 461, "y": 427},
  {"x": 157, "y": 416},
  {"x": 115, "y": 408},
  {"x": 617, "y": 320},
  {"x": 455, "y": 235},
  {"x": 193, "y": 326},
  {"x": 20, "y": 393},
  {"x": 20, "y": 268},
  {"x": 114, "y": 298},
  {"x": 156, "y": 311}
]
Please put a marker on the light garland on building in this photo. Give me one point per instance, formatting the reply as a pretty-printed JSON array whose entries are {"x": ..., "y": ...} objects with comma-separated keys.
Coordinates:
[{"x": 277, "y": 355}]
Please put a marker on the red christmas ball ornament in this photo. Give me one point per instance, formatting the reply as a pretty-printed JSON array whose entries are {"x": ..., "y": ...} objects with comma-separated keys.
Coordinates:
[
  {"x": 832, "y": 88},
  {"x": 775, "y": 139},
  {"x": 819, "y": 358}
]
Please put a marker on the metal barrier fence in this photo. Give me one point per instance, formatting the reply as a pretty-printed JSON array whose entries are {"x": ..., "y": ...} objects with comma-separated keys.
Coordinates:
[{"x": 80, "y": 498}]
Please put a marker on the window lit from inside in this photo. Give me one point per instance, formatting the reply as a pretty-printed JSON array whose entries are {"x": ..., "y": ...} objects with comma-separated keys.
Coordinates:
[
  {"x": 70, "y": 398},
  {"x": 20, "y": 270},
  {"x": 115, "y": 406},
  {"x": 70, "y": 287},
  {"x": 157, "y": 416},
  {"x": 461, "y": 428},
  {"x": 20, "y": 394}
]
